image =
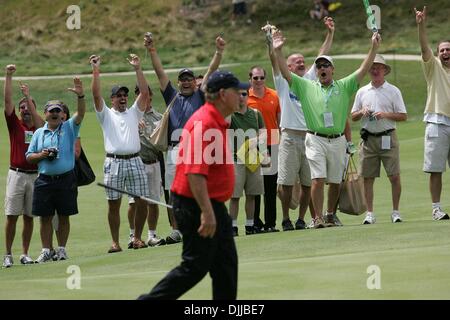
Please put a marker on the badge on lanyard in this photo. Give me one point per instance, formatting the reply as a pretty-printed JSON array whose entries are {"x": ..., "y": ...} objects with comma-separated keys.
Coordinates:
[
  {"x": 328, "y": 119},
  {"x": 385, "y": 142},
  {"x": 28, "y": 136},
  {"x": 114, "y": 167}
]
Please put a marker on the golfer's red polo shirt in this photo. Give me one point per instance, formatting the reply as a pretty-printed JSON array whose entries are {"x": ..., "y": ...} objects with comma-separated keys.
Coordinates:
[{"x": 204, "y": 150}]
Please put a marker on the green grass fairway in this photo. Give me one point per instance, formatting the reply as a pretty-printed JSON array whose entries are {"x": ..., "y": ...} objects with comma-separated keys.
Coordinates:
[{"x": 331, "y": 263}]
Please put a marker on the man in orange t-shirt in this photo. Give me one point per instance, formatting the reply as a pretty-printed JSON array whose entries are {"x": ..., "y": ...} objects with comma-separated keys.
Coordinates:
[{"x": 266, "y": 101}]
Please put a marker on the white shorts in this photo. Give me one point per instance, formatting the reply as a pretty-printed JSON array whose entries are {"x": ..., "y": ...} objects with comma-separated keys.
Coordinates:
[
  {"x": 19, "y": 193},
  {"x": 326, "y": 157},
  {"x": 292, "y": 162},
  {"x": 153, "y": 172},
  {"x": 437, "y": 147}
]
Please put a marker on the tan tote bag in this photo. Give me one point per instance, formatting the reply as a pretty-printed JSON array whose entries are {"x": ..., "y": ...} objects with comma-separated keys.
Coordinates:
[
  {"x": 351, "y": 199},
  {"x": 160, "y": 136}
]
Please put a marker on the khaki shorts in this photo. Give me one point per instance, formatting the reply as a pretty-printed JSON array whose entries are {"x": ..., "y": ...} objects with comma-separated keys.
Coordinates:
[
  {"x": 326, "y": 157},
  {"x": 251, "y": 182},
  {"x": 19, "y": 193},
  {"x": 371, "y": 155},
  {"x": 292, "y": 162},
  {"x": 153, "y": 172},
  {"x": 437, "y": 149}
]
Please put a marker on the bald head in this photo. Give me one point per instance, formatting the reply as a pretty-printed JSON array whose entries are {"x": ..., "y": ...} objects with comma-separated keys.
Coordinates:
[{"x": 296, "y": 64}]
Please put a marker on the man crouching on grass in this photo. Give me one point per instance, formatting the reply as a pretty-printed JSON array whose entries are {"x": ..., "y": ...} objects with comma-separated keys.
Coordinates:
[{"x": 200, "y": 188}]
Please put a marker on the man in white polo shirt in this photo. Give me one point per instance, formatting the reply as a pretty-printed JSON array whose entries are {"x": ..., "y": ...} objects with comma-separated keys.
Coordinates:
[
  {"x": 379, "y": 105},
  {"x": 123, "y": 167},
  {"x": 436, "y": 114}
]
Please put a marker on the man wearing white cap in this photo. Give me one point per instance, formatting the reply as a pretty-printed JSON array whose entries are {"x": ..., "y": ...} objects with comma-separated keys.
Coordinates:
[
  {"x": 379, "y": 105},
  {"x": 325, "y": 105}
]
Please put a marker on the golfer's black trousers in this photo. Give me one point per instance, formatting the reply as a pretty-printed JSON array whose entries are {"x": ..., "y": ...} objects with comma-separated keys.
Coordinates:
[{"x": 215, "y": 255}]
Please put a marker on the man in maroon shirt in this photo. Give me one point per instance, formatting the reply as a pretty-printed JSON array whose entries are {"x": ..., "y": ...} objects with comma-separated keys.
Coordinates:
[
  {"x": 204, "y": 180},
  {"x": 21, "y": 174}
]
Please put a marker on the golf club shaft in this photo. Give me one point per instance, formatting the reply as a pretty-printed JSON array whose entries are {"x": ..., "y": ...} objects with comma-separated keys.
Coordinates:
[{"x": 135, "y": 195}]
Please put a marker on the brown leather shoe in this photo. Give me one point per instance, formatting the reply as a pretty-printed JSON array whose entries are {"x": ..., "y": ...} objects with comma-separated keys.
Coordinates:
[
  {"x": 139, "y": 244},
  {"x": 114, "y": 248}
]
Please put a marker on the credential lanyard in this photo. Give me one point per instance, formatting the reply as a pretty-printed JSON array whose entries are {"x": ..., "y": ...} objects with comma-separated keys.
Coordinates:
[{"x": 327, "y": 95}]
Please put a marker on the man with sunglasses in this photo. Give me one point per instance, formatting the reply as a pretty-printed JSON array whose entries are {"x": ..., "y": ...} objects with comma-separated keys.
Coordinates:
[
  {"x": 265, "y": 100},
  {"x": 186, "y": 100},
  {"x": 292, "y": 162},
  {"x": 326, "y": 106},
  {"x": 52, "y": 148},
  {"x": 21, "y": 174},
  {"x": 123, "y": 167}
]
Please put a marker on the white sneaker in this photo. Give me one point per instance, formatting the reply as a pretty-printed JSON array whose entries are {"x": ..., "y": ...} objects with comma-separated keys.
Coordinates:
[
  {"x": 7, "y": 261},
  {"x": 310, "y": 224},
  {"x": 438, "y": 214},
  {"x": 131, "y": 241},
  {"x": 45, "y": 256},
  {"x": 370, "y": 219},
  {"x": 61, "y": 254},
  {"x": 24, "y": 259},
  {"x": 155, "y": 241},
  {"x": 395, "y": 217}
]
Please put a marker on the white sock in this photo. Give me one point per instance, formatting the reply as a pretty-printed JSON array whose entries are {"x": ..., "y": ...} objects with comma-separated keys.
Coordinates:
[
  {"x": 395, "y": 211},
  {"x": 151, "y": 234},
  {"x": 61, "y": 248},
  {"x": 436, "y": 205},
  {"x": 249, "y": 222},
  {"x": 369, "y": 213},
  {"x": 328, "y": 213},
  {"x": 234, "y": 222},
  {"x": 132, "y": 232},
  {"x": 46, "y": 250}
]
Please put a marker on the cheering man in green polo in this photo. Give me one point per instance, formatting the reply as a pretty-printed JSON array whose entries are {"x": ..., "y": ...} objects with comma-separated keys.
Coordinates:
[{"x": 326, "y": 106}]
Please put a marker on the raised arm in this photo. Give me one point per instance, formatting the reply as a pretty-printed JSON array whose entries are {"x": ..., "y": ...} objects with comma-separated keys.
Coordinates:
[
  {"x": 268, "y": 30},
  {"x": 7, "y": 89},
  {"x": 144, "y": 94},
  {"x": 96, "y": 92},
  {"x": 215, "y": 62},
  {"x": 156, "y": 62},
  {"x": 421, "y": 17},
  {"x": 278, "y": 42},
  {"x": 37, "y": 119},
  {"x": 368, "y": 61},
  {"x": 326, "y": 46},
  {"x": 81, "y": 103}
]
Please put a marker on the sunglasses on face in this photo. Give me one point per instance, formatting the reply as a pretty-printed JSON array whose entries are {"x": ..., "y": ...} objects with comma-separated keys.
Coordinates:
[
  {"x": 55, "y": 111},
  {"x": 325, "y": 65},
  {"x": 122, "y": 95},
  {"x": 243, "y": 94},
  {"x": 256, "y": 78}
]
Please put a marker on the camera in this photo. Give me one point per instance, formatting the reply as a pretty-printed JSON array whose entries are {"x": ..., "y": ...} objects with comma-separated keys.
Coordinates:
[
  {"x": 371, "y": 116},
  {"x": 52, "y": 154}
]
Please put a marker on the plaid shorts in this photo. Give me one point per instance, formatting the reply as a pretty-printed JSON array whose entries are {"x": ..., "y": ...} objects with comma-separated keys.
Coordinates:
[{"x": 128, "y": 174}]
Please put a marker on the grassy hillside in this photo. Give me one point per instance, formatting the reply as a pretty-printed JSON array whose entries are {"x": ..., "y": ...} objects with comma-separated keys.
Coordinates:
[{"x": 35, "y": 35}]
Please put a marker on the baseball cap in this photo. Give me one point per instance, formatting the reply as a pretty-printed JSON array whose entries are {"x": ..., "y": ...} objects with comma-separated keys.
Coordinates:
[
  {"x": 186, "y": 71},
  {"x": 224, "y": 80},
  {"x": 328, "y": 58},
  {"x": 380, "y": 60},
  {"x": 117, "y": 88},
  {"x": 53, "y": 104}
]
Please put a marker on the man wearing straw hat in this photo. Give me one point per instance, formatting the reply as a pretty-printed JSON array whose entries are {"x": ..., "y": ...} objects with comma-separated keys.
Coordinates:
[{"x": 379, "y": 105}]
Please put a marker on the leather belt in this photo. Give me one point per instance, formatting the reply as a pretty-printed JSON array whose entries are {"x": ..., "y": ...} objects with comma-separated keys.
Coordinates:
[
  {"x": 379, "y": 134},
  {"x": 328, "y": 136},
  {"x": 149, "y": 162},
  {"x": 56, "y": 176},
  {"x": 122, "y": 156},
  {"x": 23, "y": 171}
]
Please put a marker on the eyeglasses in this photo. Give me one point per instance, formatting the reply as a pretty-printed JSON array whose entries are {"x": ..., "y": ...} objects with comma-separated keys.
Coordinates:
[
  {"x": 244, "y": 94},
  {"x": 325, "y": 65},
  {"x": 186, "y": 79},
  {"x": 124, "y": 95},
  {"x": 256, "y": 78}
]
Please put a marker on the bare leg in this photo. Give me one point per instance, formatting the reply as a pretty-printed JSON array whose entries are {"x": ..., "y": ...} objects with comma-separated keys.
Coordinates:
[
  {"x": 333, "y": 196},
  {"x": 435, "y": 186},
  {"x": 63, "y": 230},
  {"x": 152, "y": 217},
  {"x": 131, "y": 214},
  {"x": 46, "y": 232},
  {"x": 140, "y": 217},
  {"x": 368, "y": 191},
  {"x": 396, "y": 191},
  {"x": 285, "y": 196},
  {"x": 27, "y": 232},
  {"x": 317, "y": 189},
  {"x": 10, "y": 232},
  {"x": 250, "y": 207},
  {"x": 114, "y": 219},
  {"x": 305, "y": 199},
  {"x": 234, "y": 208}
]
